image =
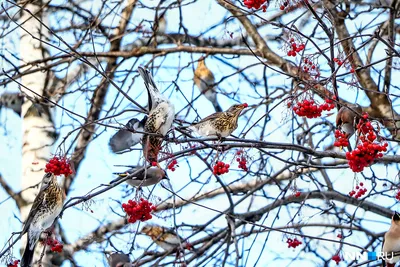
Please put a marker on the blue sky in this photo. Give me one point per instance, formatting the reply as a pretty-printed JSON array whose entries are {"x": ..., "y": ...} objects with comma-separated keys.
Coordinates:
[{"x": 99, "y": 163}]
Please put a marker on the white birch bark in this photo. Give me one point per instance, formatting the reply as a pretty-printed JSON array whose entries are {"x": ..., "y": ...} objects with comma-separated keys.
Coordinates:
[{"x": 38, "y": 130}]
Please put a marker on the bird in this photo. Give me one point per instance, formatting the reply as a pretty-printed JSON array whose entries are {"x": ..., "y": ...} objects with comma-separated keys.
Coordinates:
[
  {"x": 45, "y": 209},
  {"x": 12, "y": 101},
  {"x": 160, "y": 119},
  {"x": 164, "y": 237},
  {"x": 347, "y": 119},
  {"x": 119, "y": 260},
  {"x": 205, "y": 81},
  {"x": 391, "y": 241},
  {"x": 145, "y": 177},
  {"x": 161, "y": 24},
  {"x": 220, "y": 124},
  {"x": 129, "y": 136}
]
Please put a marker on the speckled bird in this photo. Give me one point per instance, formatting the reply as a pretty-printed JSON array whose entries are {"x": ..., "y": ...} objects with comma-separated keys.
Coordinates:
[
  {"x": 347, "y": 119},
  {"x": 166, "y": 238},
  {"x": 45, "y": 209},
  {"x": 205, "y": 81},
  {"x": 160, "y": 119},
  {"x": 220, "y": 124}
]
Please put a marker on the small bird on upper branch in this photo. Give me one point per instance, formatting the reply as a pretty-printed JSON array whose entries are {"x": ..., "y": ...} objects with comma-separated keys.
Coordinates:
[
  {"x": 160, "y": 119},
  {"x": 129, "y": 136},
  {"x": 220, "y": 124},
  {"x": 391, "y": 241},
  {"x": 45, "y": 209},
  {"x": 145, "y": 177},
  {"x": 205, "y": 81}
]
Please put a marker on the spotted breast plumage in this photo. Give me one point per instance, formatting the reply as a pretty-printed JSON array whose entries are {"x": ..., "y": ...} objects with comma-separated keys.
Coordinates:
[
  {"x": 160, "y": 119},
  {"x": 45, "y": 209},
  {"x": 220, "y": 124}
]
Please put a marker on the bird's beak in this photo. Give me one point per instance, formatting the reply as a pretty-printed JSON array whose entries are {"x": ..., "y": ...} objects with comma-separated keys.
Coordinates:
[{"x": 396, "y": 216}]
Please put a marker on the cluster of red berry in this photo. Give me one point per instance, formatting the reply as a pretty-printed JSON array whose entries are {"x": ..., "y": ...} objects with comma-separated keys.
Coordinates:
[
  {"x": 311, "y": 68},
  {"x": 359, "y": 191},
  {"x": 398, "y": 195},
  {"x": 284, "y": 5},
  {"x": 58, "y": 166},
  {"x": 367, "y": 150},
  {"x": 55, "y": 245},
  {"x": 297, "y": 193},
  {"x": 172, "y": 165},
  {"x": 242, "y": 161},
  {"x": 338, "y": 61},
  {"x": 256, "y": 4},
  {"x": 293, "y": 243},
  {"x": 310, "y": 109},
  {"x": 13, "y": 264},
  {"x": 295, "y": 48},
  {"x": 138, "y": 210},
  {"x": 154, "y": 163},
  {"x": 341, "y": 139},
  {"x": 337, "y": 259},
  {"x": 339, "y": 236},
  {"x": 220, "y": 168}
]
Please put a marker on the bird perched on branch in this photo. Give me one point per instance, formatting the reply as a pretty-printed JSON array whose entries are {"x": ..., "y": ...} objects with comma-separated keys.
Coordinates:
[
  {"x": 391, "y": 241},
  {"x": 166, "y": 238},
  {"x": 129, "y": 136},
  {"x": 45, "y": 209},
  {"x": 205, "y": 81},
  {"x": 160, "y": 119},
  {"x": 220, "y": 124},
  {"x": 145, "y": 177},
  {"x": 347, "y": 119},
  {"x": 119, "y": 260}
]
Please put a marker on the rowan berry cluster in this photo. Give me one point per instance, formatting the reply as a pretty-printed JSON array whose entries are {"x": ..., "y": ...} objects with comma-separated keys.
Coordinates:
[
  {"x": 338, "y": 61},
  {"x": 368, "y": 148},
  {"x": 138, "y": 210},
  {"x": 172, "y": 165},
  {"x": 336, "y": 258},
  {"x": 293, "y": 243},
  {"x": 359, "y": 191},
  {"x": 54, "y": 245},
  {"x": 310, "y": 67},
  {"x": 13, "y": 264},
  {"x": 310, "y": 109},
  {"x": 221, "y": 168},
  {"x": 284, "y": 5},
  {"x": 297, "y": 194},
  {"x": 241, "y": 160},
  {"x": 59, "y": 165},
  {"x": 256, "y": 4},
  {"x": 339, "y": 236},
  {"x": 295, "y": 48},
  {"x": 398, "y": 195},
  {"x": 154, "y": 163},
  {"x": 341, "y": 139}
]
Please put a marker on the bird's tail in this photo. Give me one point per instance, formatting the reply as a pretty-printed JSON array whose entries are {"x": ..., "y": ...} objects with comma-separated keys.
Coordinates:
[
  {"x": 28, "y": 255},
  {"x": 148, "y": 79},
  {"x": 217, "y": 106}
]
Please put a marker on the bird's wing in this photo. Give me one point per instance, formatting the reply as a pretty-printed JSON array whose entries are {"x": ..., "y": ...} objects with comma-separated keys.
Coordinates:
[
  {"x": 124, "y": 138},
  {"x": 339, "y": 117},
  {"x": 210, "y": 117},
  {"x": 39, "y": 200}
]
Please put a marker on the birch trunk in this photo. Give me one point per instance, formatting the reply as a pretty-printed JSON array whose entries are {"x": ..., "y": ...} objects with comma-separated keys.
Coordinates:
[{"x": 38, "y": 129}]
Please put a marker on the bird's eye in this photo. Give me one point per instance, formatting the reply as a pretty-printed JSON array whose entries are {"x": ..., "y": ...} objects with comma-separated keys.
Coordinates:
[{"x": 47, "y": 175}]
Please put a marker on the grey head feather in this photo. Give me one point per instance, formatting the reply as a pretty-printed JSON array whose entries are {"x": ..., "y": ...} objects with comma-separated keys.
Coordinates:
[{"x": 125, "y": 138}]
